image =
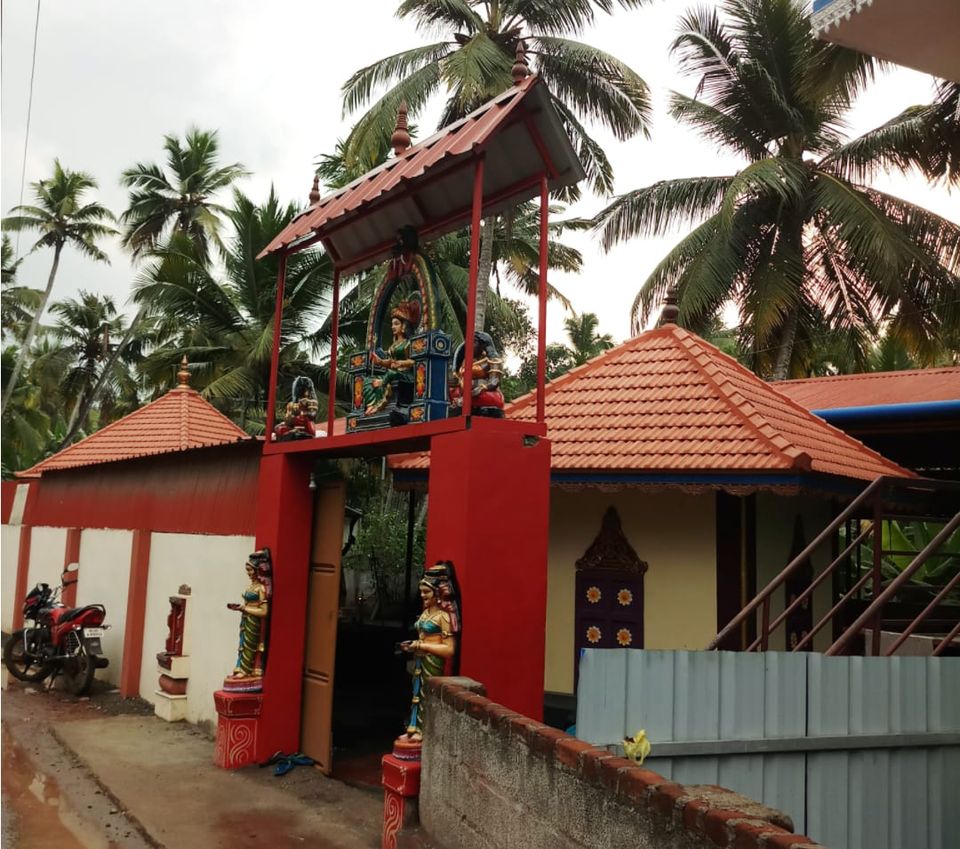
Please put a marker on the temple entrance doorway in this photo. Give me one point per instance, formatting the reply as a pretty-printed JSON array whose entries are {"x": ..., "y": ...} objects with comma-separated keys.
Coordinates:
[{"x": 356, "y": 685}]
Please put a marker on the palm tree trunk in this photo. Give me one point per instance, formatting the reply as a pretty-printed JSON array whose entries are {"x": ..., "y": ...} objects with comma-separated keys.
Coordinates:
[
  {"x": 31, "y": 331},
  {"x": 781, "y": 368},
  {"x": 80, "y": 413},
  {"x": 484, "y": 271}
]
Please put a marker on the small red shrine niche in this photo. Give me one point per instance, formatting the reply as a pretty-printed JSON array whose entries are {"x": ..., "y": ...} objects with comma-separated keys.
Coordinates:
[
  {"x": 609, "y": 592},
  {"x": 173, "y": 663}
]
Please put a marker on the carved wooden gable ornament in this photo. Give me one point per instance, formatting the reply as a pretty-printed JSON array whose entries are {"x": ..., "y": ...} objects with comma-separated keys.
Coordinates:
[{"x": 611, "y": 549}]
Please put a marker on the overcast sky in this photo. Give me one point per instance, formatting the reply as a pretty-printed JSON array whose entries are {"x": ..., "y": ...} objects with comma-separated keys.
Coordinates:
[{"x": 113, "y": 76}]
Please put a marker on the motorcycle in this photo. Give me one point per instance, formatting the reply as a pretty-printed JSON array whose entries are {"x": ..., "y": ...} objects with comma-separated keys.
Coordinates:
[{"x": 63, "y": 641}]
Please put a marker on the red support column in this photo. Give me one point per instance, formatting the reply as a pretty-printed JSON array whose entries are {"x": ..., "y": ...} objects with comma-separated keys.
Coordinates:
[
  {"x": 489, "y": 513},
  {"x": 476, "y": 212},
  {"x": 136, "y": 614},
  {"x": 284, "y": 524},
  {"x": 334, "y": 334},
  {"x": 71, "y": 555},
  {"x": 23, "y": 568},
  {"x": 542, "y": 312},
  {"x": 275, "y": 355}
]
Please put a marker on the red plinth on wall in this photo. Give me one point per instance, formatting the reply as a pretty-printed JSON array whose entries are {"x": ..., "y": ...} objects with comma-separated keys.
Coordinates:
[
  {"x": 401, "y": 787},
  {"x": 489, "y": 514},
  {"x": 237, "y": 717}
]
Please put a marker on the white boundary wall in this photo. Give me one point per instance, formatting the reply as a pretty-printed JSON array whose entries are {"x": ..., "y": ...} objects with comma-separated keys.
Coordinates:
[
  {"x": 104, "y": 579},
  {"x": 9, "y": 554},
  {"x": 47, "y": 547},
  {"x": 212, "y": 566}
]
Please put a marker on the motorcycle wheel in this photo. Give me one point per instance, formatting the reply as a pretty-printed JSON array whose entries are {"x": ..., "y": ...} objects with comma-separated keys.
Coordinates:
[
  {"x": 79, "y": 669},
  {"x": 20, "y": 664}
]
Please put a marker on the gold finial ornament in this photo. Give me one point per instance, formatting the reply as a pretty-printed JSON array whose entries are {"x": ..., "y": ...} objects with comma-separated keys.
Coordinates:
[
  {"x": 400, "y": 140},
  {"x": 670, "y": 312},
  {"x": 183, "y": 376},
  {"x": 520, "y": 69},
  {"x": 315, "y": 191}
]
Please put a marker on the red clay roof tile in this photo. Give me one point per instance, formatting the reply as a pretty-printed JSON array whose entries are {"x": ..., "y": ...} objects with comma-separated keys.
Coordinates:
[
  {"x": 177, "y": 421},
  {"x": 874, "y": 388},
  {"x": 669, "y": 401}
]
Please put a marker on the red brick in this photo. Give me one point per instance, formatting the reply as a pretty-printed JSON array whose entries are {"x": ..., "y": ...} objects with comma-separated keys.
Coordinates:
[
  {"x": 610, "y": 771},
  {"x": 786, "y": 840},
  {"x": 590, "y": 762},
  {"x": 749, "y": 835},
  {"x": 693, "y": 814},
  {"x": 636, "y": 784},
  {"x": 545, "y": 740},
  {"x": 477, "y": 706},
  {"x": 523, "y": 727},
  {"x": 459, "y": 698},
  {"x": 569, "y": 749},
  {"x": 716, "y": 824},
  {"x": 667, "y": 796},
  {"x": 500, "y": 716}
]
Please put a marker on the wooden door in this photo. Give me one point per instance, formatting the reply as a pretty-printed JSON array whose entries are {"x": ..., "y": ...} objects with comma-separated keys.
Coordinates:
[{"x": 321, "y": 638}]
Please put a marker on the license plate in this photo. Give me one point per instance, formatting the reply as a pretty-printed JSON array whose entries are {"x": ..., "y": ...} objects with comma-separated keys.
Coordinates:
[{"x": 92, "y": 632}]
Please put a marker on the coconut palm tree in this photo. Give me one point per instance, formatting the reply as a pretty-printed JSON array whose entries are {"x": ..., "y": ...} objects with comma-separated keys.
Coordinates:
[
  {"x": 472, "y": 62},
  {"x": 224, "y": 325},
  {"x": 18, "y": 304},
  {"x": 87, "y": 330},
  {"x": 797, "y": 237},
  {"x": 62, "y": 219},
  {"x": 585, "y": 341},
  {"x": 179, "y": 198}
]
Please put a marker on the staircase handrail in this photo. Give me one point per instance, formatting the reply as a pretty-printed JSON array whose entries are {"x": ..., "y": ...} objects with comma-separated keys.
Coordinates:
[
  {"x": 877, "y": 604},
  {"x": 875, "y": 486},
  {"x": 923, "y": 615}
]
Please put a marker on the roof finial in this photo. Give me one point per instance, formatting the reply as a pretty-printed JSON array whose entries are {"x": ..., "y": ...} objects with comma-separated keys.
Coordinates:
[
  {"x": 400, "y": 140},
  {"x": 315, "y": 191},
  {"x": 520, "y": 69},
  {"x": 670, "y": 312},
  {"x": 183, "y": 376}
]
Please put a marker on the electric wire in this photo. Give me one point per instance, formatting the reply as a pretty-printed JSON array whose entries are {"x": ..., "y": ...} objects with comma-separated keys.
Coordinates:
[{"x": 26, "y": 136}]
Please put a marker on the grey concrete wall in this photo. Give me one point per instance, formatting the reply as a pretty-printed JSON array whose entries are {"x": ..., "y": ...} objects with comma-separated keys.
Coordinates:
[{"x": 493, "y": 779}]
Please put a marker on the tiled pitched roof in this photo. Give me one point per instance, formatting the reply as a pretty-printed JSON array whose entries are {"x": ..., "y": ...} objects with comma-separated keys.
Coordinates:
[
  {"x": 667, "y": 401},
  {"x": 177, "y": 421},
  {"x": 875, "y": 388}
]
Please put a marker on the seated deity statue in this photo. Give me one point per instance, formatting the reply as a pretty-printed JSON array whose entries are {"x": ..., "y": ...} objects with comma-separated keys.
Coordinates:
[
  {"x": 300, "y": 413},
  {"x": 381, "y": 389},
  {"x": 485, "y": 381}
]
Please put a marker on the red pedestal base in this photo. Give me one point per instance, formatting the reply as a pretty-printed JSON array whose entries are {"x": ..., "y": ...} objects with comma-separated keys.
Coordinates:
[
  {"x": 238, "y": 715},
  {"x": 401, "y": 784}
]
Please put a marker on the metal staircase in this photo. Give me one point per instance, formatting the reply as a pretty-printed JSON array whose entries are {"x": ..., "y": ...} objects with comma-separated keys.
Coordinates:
[{"x": 886, "y": 499}]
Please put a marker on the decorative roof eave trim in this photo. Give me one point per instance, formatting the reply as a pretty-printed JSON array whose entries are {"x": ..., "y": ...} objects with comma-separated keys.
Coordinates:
[{"x": 834, "y": 13}]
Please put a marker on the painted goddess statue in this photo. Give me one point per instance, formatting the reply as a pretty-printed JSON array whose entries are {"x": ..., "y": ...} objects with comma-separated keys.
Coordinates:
[
  {"x": 380, "y": 390},
  {"x": 254, "y": 611},
  {"x": 437, "y": 627}
]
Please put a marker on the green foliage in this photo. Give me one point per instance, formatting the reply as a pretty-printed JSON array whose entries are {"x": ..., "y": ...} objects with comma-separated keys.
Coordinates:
[
  {"x": 473, "y": 62},
  {"x": 179, "y": 198},
  {"x": 908, "y": 539},
  {"x": 796, "y": 238},
  {"x": 380, "y": 549}
]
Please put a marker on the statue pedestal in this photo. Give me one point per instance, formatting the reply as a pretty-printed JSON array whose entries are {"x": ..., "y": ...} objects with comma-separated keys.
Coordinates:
[
  {"x": 237, "y": 718},
  {"x": 401, "y": 786}
]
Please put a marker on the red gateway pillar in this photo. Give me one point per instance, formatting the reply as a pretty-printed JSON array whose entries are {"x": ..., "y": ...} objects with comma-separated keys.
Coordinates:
[{"x": 489, "y": 514}]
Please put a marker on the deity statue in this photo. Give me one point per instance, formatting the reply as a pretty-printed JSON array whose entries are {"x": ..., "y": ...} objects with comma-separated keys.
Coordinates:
[
  {"x": 254, "y": 612},
  {"x": 436, "y": 643},
  {"x": 485, "y": 380},
  {"x": 301, "y": 412},
  {"x": 379, "y": 390}
]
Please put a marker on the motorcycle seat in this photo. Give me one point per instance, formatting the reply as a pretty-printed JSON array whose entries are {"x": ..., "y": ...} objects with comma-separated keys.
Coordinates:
[{"x": 77, "y": 612}]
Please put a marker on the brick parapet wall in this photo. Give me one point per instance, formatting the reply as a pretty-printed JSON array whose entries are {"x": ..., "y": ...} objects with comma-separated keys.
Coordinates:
[{"x": 494, "y": 779}]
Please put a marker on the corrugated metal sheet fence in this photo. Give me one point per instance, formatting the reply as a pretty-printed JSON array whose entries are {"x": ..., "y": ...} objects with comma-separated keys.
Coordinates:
[{"x": 862, "y": 752}]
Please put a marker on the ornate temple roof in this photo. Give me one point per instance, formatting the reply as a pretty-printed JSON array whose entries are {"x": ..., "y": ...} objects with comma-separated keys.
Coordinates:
[
  {"x": 669, "y": 402},
  {"x": 177, "y": 421}
]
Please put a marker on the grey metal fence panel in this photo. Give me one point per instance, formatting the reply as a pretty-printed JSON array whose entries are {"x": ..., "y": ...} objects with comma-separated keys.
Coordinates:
[{"x": 884, "y": 773}]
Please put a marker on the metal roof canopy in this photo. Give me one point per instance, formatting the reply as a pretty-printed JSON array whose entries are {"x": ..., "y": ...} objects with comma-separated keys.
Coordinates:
[
  {"x": 508, "y": 151},
  {"x": 429, "y": 186}
]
